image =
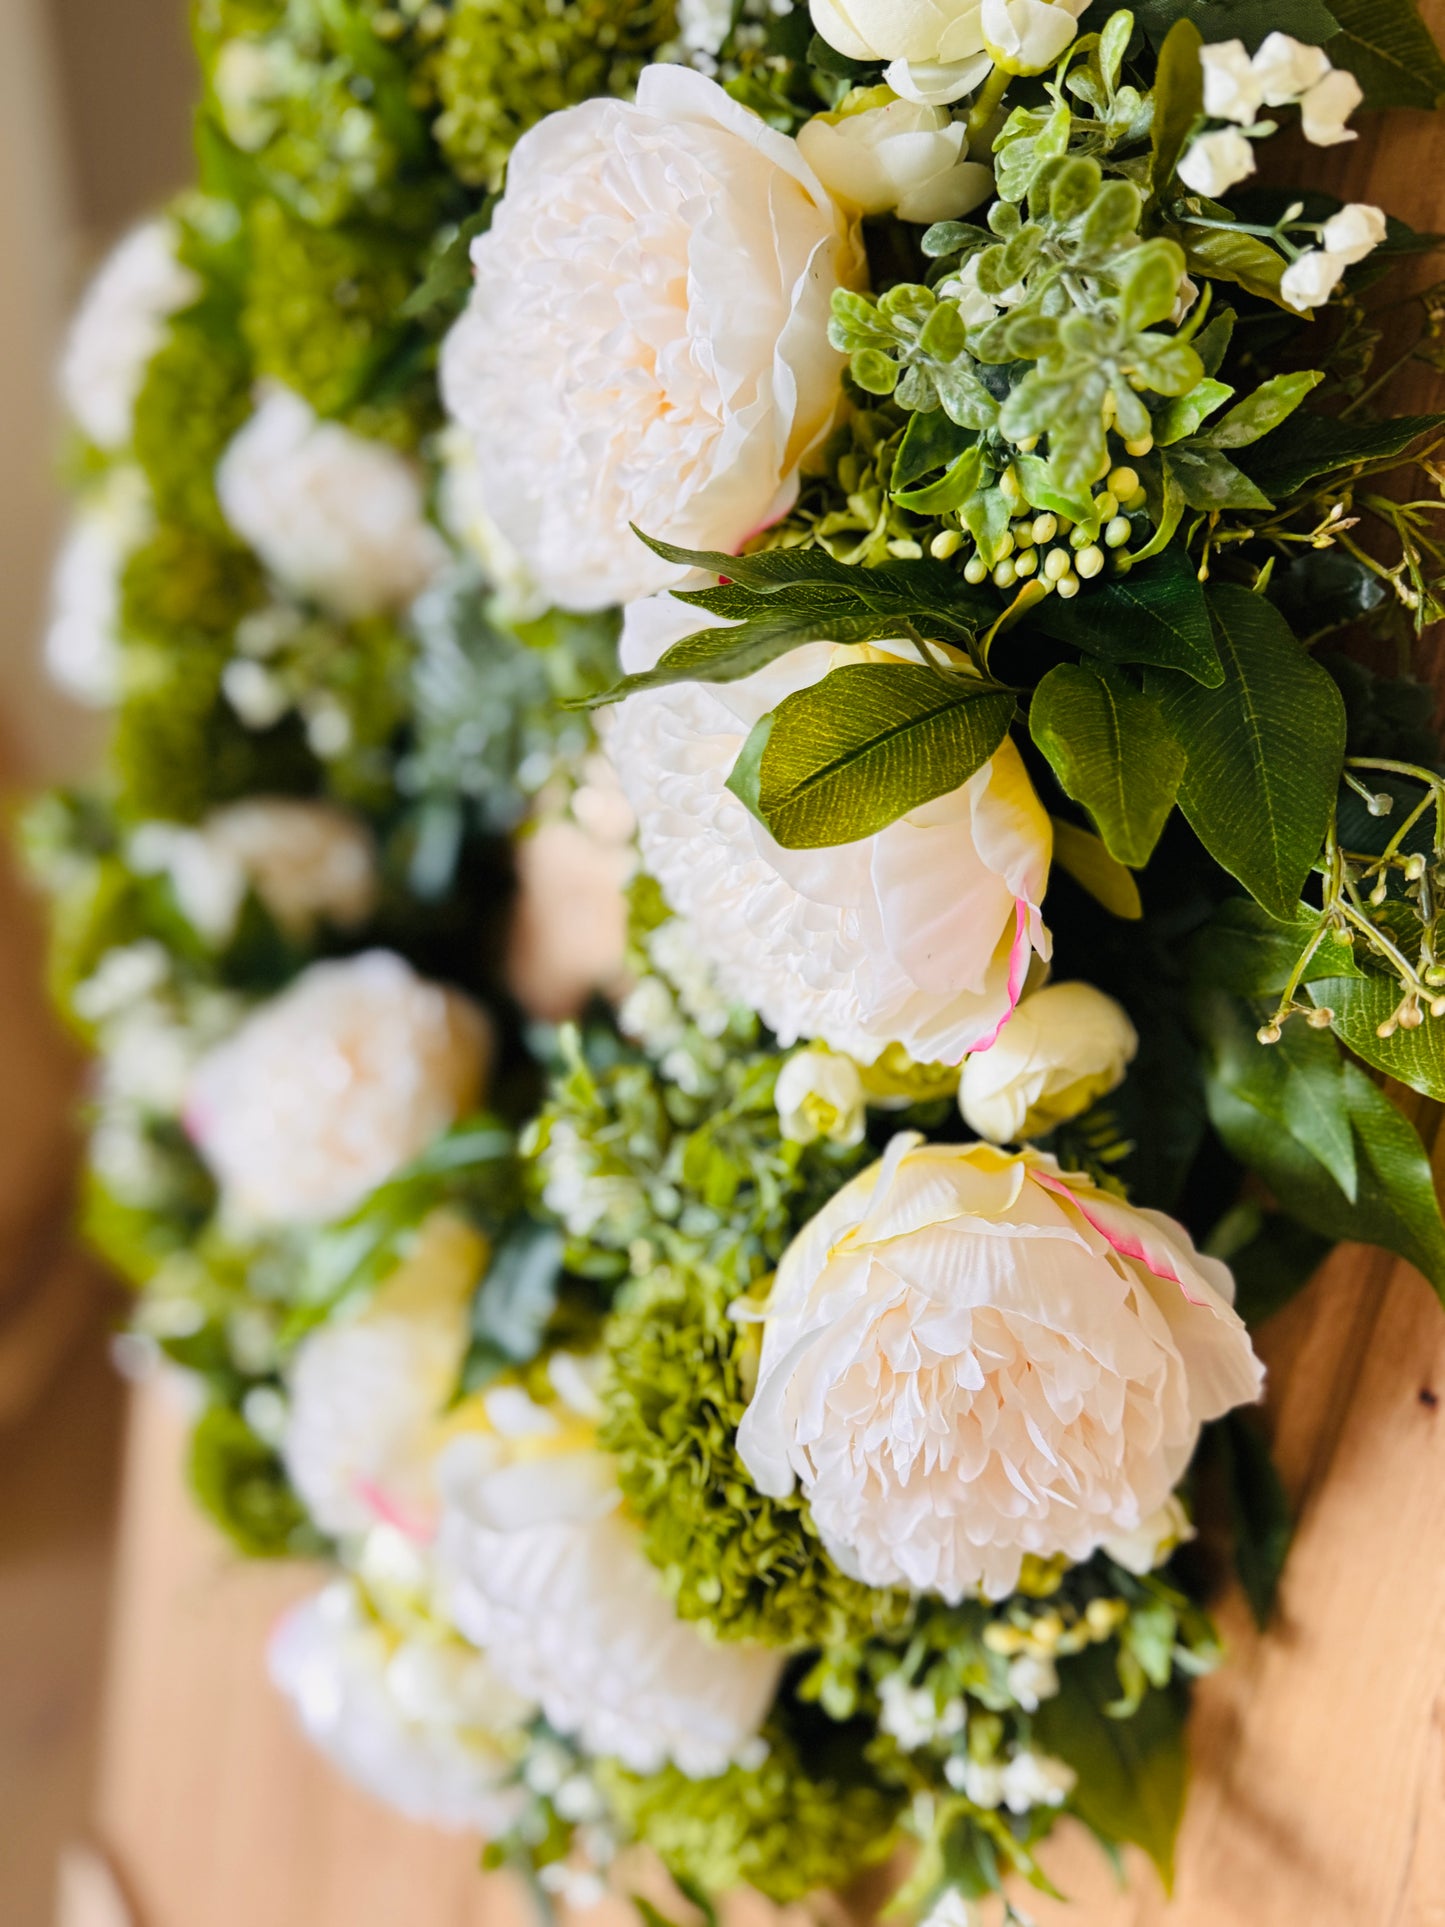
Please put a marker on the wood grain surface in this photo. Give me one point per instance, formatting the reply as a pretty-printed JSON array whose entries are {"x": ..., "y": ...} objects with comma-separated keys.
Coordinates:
[{"x": 1319, "y": 1778}]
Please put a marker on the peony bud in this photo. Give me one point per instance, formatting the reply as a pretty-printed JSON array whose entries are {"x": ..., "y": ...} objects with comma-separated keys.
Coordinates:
[
  {"x": 820, "y": 1094},
  {"x": 1063, "y": 1047},
  {"x": 879, "y": 154}
]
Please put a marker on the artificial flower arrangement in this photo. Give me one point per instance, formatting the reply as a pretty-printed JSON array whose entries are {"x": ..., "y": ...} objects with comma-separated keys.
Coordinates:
[{"x": 745, "y": 899}]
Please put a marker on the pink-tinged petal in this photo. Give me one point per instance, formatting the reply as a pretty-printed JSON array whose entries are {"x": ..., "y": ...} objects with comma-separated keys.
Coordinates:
[
  {"x": 1018, "y": 969},
  {"x": 373, "y": 1495},
  {"x": 1126, "y": 1240}
]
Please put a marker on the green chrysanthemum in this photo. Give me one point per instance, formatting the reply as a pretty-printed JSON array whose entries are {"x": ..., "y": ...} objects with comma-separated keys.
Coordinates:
[
  {"x": 505, "y": 64},
  {"x": 784, "y": 1828},
  {"x": 751, "y": 1567},
  {"x": 182, "y": 584},
  {"x": 322, "y": 316},
  {"x": 195, "y": 395}
]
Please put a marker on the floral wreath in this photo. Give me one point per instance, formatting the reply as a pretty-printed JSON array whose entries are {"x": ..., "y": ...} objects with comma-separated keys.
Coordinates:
[{"x": 766, "y": 836}]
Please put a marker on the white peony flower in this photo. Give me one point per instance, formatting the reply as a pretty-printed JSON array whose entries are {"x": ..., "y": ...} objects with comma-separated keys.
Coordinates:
[
  {"x": 646, "y": 341},
  {"x": 334, "y": 517},
  {"x": 119, "y": 326},
  {"x": 1327, "y": 106},
  {"x": 568, "y": 939},
  {"x": 819, "y": 1094},
  {"x": 1285, "y": 68},
  {"x": 543, "y": 1570},
  {"x": 1357, "y": 230},
  {"x": 1063, "y": 1047},
  {"x": 880, "y": 154},
  {"x": 464, "y": 515},
  {"x": 1153, "y": 1539},
  {"x": 368, "y": 1389},
  {"x": 1232, "y": 86},
  {"x": 1310, "y": 281},
  {"x": 1028, "y": 36},
  {"x": 83, "y": 641},
  {"x": 919, "y": 935},
  {"x": 970, "y": 1356},
  {"x": 1214, "y": 163},
  {"x": 329, "y": 1089},
  {"x": 422, "y": 1725},
  {"x": 307, "y": 863}
]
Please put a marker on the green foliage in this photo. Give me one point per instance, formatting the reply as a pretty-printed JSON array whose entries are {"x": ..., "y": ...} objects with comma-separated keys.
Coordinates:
[
  {"x": 1390, "y": 51},
  {"x": 849, "y": 755},
  {"x": 195, "y": 395},
  {"x": 1360, "y": 1006},
  {"x": 1244, "y": 950},
  {"x": 1264, "y": 750},
  {"x": 1132, "y": 1770},
  {"x": 186, "y": 587},
  {"x": 240, "y": 1482},
  {"x": 749, "y": 1567},
  {"x": 1111, "y": 750},
  {"x": 1314, "y": 447},
  {"x": 1259, "y": 1512},
  {"x": 786, "y": 1828},
  {"x": 1246, "y": 20},
  {"x": 1155, "y": 614},
  {"x": 322, "y": 315},
  {"x": 503, "y": 65}
]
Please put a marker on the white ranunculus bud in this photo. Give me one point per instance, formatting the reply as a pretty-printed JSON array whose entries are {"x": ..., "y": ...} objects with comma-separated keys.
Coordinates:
[
  {"x": 368, "y": 1389},
  {"x": 969, "y": 1357},
  {"x": 307, "y": 862},
  {"x": 919, "y": 935},
  {"x": 335, "y": 517},
  {"x": 1153, "y": 1539},
  {"x": 820, "y": 1094},
  {"x": 646, "y": 341},
  {"x": 1327, "y": 106},
  {"x": 542, "y": 1568},
  {"x": 1357, "y": 230},
  {"x": 1214, "y": 163},
  {"x": 83, "y": 640},
  {"x": 119, "y": 326},
  {"x": 882, "y": 155},
  {"x": 1310, "y": 281},
  {"x": 1232, "y": 89},
  {"x": 1063, "y": 1048},
  {"x": 1028, "y": 36},
  {"x": 1285, "y": 68},
  {"x": 329, "y": 1089},
  {"x": 424, "y": 1725}
]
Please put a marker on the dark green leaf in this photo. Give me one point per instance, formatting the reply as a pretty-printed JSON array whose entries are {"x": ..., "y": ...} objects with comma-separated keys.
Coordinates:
[
  {"x": 1221, "y": 254},
  {"x": 1258, "y": 1509},
  {"x": 1085, "y": 858},
  {"x": 1390, "y": 51},
  {"x": 1316, "y": 445},
  {"x": 1132, "y": 1772},
  {"x": 1246, "y": 20},
  {"x": 1111, "y": 751},
  {"x": 1270, "y": 404},
  {"x": 958, "y": 481},
  {"x": 1152, "y": 615},
  {"x": 1298, "y": 1083},
  {"x": 1186, "y": 413},
  {"x": 1264, "y": 750},
  {"x": 1271, "y": 1255},
  {"x": 1178, "y": 97},
  {"x": 1414, "y": 1057},
  {"x": 850, "y": 754},
  {"x": 1244, "y": 950},
  {"x": 930, "y": 442},
  {"x": 517, "y": 1298},
  {"x": 1208, "y": 480}
]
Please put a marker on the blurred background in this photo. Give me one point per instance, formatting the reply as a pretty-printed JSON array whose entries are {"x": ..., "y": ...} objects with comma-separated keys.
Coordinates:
[{"x": 94, "y": 129}]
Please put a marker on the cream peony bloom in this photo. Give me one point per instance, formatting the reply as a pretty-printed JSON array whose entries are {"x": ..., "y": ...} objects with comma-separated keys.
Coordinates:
[
  {"x": 421, "y": 1723},
  {"x": 119, "y": 326},
  {"x": 919, "y": 935},
  {"x": 1063, "y": 1047},
  {"x": 307, "y": 863},
  {"x": 880, "y": 154},
  {"x": 329, "y": 1089},
  {"x": 970, "y": 1356},
  {"x": 83, "y": 640},
  {"x": 368, "y": 1390},
  {"x": 940, "y": 50},
  {"x": 542, "y": 1569},
  {"x": 647, "y": 338},
  {"x": 334, "y": 517}
]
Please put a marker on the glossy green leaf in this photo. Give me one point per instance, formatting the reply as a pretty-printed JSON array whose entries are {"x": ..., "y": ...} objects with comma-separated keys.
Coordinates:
[
  {"x": 958, "y": 481},
  {"x": 1112, "y": 751},
  {"x": 1086, "y": 859},
  {"x": 1264, "y": 749},
  {"x": 1208, "y": 480},
  {"x": 1186, "y": 413},
  {"x": 1270, "y": 404},
  {"x": 852, "y": 753},
  {"x": 1298, "y": 1083},
  {"x": 1178, "y": 98},
  {"x": 1131, "y": 1772},
  {"x": 1245, "y": 950},
  {"x": 1360, "y": 1005},
  {"x": 1155, "y": 614},
  {"x": 1390, "y": 51},
  {"x": 929, "y": 442},
  {"x": 1222, "y": 254},
  {"x": 1316, "y": 445}
]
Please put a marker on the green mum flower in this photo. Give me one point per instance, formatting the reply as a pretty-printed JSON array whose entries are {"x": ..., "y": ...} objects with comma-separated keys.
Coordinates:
[
  {"x": 784, "y": 1828},
  {"x": 196, "y": 394},
  {"x": 322, "y": 316},
  {"x": 505, "y": 64},
  {"x": 182, "y": 584},
  {"x": 751, "y": 1567}
]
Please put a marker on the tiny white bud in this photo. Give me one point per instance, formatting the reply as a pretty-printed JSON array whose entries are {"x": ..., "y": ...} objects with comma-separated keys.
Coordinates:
[
  {"x": 975, "y": 570},
  {"x": 1117, "y": 533},
  {"x": 1141, "y": 445},
  {"x": 946, "y": 543},
  {"x": 1068, "y": 586},
  {"x": 1045, "y": 527},
  {"x": 1027, "y": 562},
  {"x": 1124, "y": 482},
  {"x": 1056, "y": 564},
  {"x": 1004, "y": 573},
  {"x": 1089, "y": 561}
]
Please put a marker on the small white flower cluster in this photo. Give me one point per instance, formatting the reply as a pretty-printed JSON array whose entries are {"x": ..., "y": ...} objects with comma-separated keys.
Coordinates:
[
  {"x": 82, "y": 641},
  {"x": 678, "y": 1015},
  {"x": 1024, "y": 1780},
  {"x": 580, "y": 1193},
  {"x": 119, "y": 326}
]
